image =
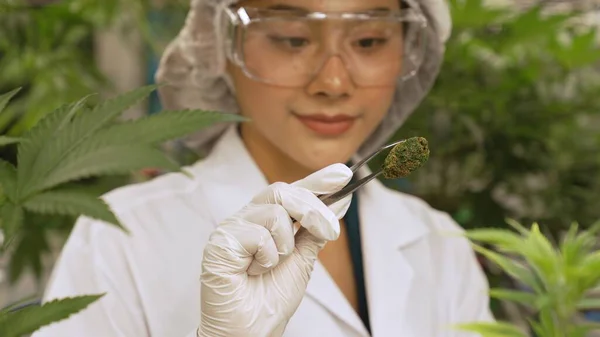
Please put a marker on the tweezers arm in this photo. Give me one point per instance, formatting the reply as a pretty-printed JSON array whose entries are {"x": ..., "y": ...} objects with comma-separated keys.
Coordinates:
[
  {"x": 365, "y": 160},
  {"x": 329, "y": 199}
]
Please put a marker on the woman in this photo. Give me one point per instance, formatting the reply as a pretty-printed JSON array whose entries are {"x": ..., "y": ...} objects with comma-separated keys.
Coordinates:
[{"x": 322, "y": 83}]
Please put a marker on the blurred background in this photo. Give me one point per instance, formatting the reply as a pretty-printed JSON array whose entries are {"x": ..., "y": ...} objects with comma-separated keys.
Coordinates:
[{"x": 513, "y": 120}]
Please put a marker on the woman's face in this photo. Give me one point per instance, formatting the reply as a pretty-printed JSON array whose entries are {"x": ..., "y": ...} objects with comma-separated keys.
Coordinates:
[{"x": 323, "y": 121}]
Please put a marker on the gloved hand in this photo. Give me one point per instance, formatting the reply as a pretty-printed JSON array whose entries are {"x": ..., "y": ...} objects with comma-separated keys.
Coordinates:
[{"x": 254, "y": 270}]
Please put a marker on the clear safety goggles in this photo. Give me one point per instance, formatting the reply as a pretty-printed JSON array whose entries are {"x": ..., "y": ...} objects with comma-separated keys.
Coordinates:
[{"x": 290, "y": 47}]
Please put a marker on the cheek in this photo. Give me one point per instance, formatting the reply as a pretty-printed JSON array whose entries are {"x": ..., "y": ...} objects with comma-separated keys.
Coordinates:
[
  {"x": 377, "y": 102},
  {"x": 265, "y": 105}
]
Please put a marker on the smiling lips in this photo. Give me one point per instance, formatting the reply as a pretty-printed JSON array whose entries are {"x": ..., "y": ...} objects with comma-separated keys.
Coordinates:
[{"x": 327, "y": 125}]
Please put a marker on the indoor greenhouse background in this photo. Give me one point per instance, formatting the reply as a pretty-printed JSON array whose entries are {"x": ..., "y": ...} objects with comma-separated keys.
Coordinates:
[{"x": 513, "y": 121}]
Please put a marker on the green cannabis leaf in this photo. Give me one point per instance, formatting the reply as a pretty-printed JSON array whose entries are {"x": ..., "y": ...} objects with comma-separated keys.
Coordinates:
[
  {"x": 36, "y": 140},
  {"x": 70, "y": 202},
  {"x": 150, "y": 130},
  {"x": 561, "y": 280},
  {"x": 12, "y": 219},
  {"x": 5, "y": 98},
  {"x": 71, "y": 133},
  {"x": 101, "y": 160},
  {"x": 521, "y": 297},
  {"x": 5, "y": 140},
  {"x": 8, "y": 178},
  {"x": 493, "y": 329},
  {"x": 73, "y": 142},
  {"x": 78, "y": 141},
  {"x": 31, "y": 244},
  {"x": 30, "y": 319}
]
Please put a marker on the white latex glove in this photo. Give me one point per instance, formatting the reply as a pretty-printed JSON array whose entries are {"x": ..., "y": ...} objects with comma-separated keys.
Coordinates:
[{"x": 255, "y": 271}]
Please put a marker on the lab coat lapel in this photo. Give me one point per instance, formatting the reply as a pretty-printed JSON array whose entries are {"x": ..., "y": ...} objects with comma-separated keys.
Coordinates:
[
  {"x": 323, "y": 290},
  {"x": 388, "y": 226},
  {"x": 237, "y": 184}
]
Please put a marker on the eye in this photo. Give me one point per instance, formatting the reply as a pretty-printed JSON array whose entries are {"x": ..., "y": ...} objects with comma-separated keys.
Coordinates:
[
  {"x": 297, "y": 41},
  {"x": 370, "y": 42},
  {"x": 292, "y": 42}
]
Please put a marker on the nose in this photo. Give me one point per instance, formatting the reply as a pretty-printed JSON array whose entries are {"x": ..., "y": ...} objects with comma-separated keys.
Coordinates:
[{"x": 332, "y": 81}]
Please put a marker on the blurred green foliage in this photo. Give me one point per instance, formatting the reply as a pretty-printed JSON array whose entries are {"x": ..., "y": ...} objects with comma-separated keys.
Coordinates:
[
  {"x": 69, "y": 143},
  {"x": 49, "y": 52},
  {"x": 561, "y": 280},
  {"x": 513, "y": 121}
]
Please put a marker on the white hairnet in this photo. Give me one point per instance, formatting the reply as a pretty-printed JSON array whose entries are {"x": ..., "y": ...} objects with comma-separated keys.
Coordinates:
[{"x": 193, "y": 71}]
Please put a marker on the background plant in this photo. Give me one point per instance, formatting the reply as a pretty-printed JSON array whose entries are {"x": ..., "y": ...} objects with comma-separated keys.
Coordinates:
[
  {"x": 561, "y": 279},
  {"x": 513, "y": 122},
  {"x": 47, "y": 48},
  {"x": 72, "y": 143}
]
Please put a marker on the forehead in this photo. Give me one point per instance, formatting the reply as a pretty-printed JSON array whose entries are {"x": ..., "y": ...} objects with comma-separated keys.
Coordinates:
[{"x": 325, "y": 5}]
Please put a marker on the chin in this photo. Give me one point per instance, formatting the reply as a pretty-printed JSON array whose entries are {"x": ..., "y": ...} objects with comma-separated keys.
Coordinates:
[
  {"x": 316, "y": 155},
  {"x": 324, "y": 159}
]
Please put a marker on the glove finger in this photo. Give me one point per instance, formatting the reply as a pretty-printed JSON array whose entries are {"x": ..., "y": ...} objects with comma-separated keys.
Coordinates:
[
  {"x": 265, "y": 257},
  {"x": 234, "y": 247},
  {"x": 302, "y": 205},
  {"x": 327, "y": 180},
  {"x": 277, "y": 221},
  {"x": 308, "y": 246},
  {"x": 340, "y": 207},
  {"x": 302, "y": 262}
]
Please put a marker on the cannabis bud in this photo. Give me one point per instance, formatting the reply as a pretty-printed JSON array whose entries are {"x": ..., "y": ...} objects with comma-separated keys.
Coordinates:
[{"x": 406, "y": 157}]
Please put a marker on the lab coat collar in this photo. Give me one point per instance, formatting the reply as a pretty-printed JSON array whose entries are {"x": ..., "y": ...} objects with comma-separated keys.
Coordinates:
[
  {"x": 387, "y": 226},
  {"x": 231, "y": 175}
]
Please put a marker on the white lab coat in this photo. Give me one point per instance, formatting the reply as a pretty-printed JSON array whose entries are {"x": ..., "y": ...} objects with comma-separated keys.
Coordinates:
[{"x": 419, "y": 278}]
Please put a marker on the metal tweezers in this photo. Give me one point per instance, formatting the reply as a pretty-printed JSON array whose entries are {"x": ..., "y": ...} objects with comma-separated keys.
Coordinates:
[{"x": 329, "y": 199}]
